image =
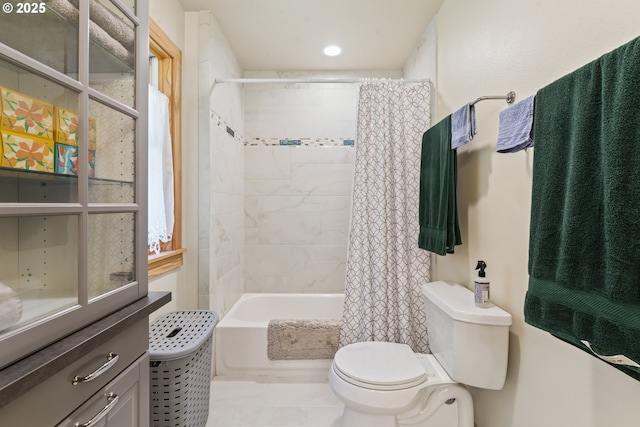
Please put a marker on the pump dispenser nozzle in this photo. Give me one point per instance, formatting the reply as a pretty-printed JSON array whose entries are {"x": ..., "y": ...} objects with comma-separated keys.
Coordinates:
[{"x": 481, "y": 266}]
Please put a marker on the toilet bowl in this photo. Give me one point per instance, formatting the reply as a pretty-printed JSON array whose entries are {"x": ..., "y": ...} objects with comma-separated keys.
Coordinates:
[{"x": 386, "y": 384}]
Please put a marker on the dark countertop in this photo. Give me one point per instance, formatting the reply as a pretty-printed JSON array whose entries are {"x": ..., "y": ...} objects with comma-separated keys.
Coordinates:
[{"x": 18, "y": 378}]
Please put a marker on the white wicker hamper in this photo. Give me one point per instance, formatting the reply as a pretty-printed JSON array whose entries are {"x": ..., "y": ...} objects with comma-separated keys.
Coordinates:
[{"x": 180, "y": 348}]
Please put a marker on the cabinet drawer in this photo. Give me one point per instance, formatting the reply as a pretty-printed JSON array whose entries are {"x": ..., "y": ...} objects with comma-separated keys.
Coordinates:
[
  {"x": 57, "y": 397},
  {"x": 124, "y": 402}
]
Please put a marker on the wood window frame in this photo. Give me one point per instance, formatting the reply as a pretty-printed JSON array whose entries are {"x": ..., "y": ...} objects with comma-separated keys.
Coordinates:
[{"x": 170, "y": 83}]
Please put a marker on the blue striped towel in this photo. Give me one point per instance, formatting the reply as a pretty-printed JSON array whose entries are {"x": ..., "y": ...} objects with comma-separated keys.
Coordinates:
[
  {"x": 515, "y": 131},
  {"x": 463, "y": 126}
]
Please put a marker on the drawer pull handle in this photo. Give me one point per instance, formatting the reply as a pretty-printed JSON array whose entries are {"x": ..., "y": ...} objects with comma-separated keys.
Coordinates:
[
  {"x": 112, "y": 359},
  {"x": 113, "y": 401}
]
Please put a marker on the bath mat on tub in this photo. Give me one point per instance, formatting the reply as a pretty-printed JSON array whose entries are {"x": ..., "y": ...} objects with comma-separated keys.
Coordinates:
[{"x": 290, "y": 339}]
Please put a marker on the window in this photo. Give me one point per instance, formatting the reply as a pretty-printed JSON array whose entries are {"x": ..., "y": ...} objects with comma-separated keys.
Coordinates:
[{"x": 169, "y": 59}]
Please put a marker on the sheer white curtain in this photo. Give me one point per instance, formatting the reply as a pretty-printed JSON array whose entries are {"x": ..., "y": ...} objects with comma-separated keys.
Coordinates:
[
  {"x": 160, "y": 171},
  {"x": 385, "y": 267}
]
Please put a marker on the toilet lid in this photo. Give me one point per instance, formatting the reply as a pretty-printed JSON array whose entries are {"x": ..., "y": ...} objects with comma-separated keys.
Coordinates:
[{"x": 380, "y": 364}]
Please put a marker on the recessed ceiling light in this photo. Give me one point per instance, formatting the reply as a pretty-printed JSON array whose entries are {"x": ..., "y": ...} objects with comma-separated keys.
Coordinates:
[{"x": 332, "y": 50}]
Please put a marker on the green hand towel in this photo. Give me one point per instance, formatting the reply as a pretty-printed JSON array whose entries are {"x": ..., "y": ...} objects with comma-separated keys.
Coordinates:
[
  {"x": 438, "y": 212},
  {"x": 584, "y": 249}
]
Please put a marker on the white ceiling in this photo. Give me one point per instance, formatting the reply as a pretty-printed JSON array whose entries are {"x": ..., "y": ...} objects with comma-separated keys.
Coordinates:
[{"x": 290, "y": 34}]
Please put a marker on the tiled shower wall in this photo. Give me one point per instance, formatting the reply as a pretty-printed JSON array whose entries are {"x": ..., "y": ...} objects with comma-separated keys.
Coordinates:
[
  {"x": 226, "y": 207},
  {"x": 297, "y": 204},
  {"x": 220, "y": 172},
  {"x": 298, "y": 197}
]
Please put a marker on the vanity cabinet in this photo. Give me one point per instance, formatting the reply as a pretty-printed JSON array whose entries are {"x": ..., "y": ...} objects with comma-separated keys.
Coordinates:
[
  {"x": 73, "y": 137},
  {"x": 61, "y": 397},
  {"x": 74, "y": 300},
  {"x": 100, "y": 369}
]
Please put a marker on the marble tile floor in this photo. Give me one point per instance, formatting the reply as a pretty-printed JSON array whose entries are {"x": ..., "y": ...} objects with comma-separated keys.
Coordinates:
[{"x": 273, "y": 402}]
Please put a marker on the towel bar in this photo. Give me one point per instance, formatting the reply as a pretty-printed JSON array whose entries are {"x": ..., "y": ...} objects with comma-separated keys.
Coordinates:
[{"x": 510, "y": 97}]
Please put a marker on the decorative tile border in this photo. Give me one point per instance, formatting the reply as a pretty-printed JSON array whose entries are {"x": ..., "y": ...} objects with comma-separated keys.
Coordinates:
[
  {"x": 221, "y": 123},
  {"x": 312, "y": 142},
  {"x": 285, "y": 142}
]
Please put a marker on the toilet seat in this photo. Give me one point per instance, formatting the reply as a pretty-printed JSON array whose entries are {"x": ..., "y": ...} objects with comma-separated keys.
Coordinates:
[
  {"x": 378, "y": 365},
  {"x": 378, "y": 391}
]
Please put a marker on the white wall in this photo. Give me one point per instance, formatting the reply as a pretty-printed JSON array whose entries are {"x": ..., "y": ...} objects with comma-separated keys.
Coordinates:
[
  {"x": 182, "y": 282},
  {"x": 489, "y": 48},
  {"x": 422, "y": 62}
]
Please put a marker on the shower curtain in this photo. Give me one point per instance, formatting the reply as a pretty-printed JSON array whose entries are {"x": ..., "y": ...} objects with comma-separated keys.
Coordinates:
[{"x": 385, "y": 267}]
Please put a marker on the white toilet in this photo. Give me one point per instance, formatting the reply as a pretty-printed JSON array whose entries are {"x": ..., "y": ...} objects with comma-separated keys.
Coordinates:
[{"x": 386, "y": 384}]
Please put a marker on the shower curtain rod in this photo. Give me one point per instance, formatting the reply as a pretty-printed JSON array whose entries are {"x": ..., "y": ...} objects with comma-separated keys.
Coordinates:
[{"x": 338, "y": 80}]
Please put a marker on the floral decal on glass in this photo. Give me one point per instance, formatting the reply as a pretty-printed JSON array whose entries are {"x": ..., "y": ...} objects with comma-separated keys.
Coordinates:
[
  {"x": 21, "y": 152},
  {"x": 67, "y": 160},
  {"x": 66, "y": 127},
  {"x": 23, "y": 114}
]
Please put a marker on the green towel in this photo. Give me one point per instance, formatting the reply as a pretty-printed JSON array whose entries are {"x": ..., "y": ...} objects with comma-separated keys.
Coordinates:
[
  {"x": 584, "y": 248},
  {"x": 438, "y": 212}
]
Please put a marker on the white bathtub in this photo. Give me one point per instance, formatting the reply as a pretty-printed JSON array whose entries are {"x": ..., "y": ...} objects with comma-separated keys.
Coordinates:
[{"x": 241, "y": 335}]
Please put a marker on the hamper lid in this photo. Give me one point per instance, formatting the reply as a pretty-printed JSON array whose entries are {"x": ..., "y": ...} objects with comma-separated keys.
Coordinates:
[{"x": 179, "y": 333}]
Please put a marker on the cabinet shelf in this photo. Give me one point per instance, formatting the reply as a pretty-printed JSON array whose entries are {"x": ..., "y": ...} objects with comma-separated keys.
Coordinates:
[
  {"x": 37, "y": 304},
  {"x": 53, "y": 40},
  {"x": 25, "y": 186},
  {"x": 10, "y": 173}
]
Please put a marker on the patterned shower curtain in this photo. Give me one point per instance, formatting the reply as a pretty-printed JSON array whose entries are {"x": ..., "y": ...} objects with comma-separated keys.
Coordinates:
[{"x": 385, "y": 267}]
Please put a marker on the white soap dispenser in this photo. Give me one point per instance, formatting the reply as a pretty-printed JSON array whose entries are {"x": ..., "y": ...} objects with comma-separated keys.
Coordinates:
[{"x": 481, "y": 286}]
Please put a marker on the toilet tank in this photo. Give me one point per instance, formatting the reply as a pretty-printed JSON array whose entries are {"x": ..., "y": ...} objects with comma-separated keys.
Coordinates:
[{"x": 471, "y": 343}]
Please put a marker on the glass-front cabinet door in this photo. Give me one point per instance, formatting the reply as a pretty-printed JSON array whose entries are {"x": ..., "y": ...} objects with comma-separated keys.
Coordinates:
[{"x": 73, "y": 98}]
